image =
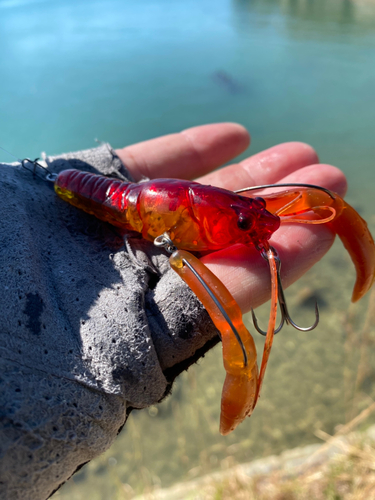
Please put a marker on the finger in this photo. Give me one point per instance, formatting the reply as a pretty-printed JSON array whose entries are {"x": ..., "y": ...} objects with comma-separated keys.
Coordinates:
[
  {"x": 186, "y": 155},
  {"x": 266, "y": 167},
  {"x": 246, "y": 274},
  {"x": 323, "y": 175}
]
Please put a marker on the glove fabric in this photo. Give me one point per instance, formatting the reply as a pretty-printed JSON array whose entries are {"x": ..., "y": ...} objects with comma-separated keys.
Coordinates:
[{"x": 91, "y": 328}]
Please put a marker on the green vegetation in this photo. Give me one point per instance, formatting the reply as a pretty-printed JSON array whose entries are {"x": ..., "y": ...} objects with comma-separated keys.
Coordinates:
[{"x": 315, "y": 381}]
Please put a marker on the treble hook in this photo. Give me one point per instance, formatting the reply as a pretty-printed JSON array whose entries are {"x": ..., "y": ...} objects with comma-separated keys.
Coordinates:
[{"x": 285, "y": 316}]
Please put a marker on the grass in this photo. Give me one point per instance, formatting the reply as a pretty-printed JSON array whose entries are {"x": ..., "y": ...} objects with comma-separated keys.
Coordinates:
[
  {"x": 342, "y": 468},
  {"x": 349, "y": 476}
]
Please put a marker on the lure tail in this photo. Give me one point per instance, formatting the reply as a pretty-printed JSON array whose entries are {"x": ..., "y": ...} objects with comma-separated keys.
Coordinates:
[{"x": 106, "y": 198}]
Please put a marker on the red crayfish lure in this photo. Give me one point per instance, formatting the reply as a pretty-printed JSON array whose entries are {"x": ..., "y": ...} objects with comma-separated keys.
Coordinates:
[{"x": 186, "y": 216}]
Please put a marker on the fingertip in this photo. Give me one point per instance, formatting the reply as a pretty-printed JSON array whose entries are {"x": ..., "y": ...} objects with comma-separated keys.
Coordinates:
[
  {"x": 267, "y": 167},
  {"x": 187, "y": 154},
  {"x": 217, "y": 143},
  {"x": 320, "y": 174},
  {"x": 271, "y": 165},
  {"x": 335, "y": 179},
  {"x": 230, "y": 131},
  {"x": 305, "y": 152}
]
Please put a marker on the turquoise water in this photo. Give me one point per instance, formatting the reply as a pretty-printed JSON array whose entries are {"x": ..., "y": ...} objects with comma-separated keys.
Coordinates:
[{"x": 125, "y": 71}]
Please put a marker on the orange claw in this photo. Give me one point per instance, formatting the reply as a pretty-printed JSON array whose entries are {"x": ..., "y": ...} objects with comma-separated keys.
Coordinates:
[
  {"x": 270, "y": 253},
  {"x": 357, "y": 240},
  {"x": 314, "y": 206},
  {"x": 241, "y": 386}
]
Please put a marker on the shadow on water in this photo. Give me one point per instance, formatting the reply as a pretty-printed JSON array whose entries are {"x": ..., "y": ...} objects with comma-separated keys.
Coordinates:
[{"x": 227, "y": 82}]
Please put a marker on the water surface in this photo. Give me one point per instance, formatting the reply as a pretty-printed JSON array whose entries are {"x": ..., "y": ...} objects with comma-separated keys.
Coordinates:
[{"x": 127, "y": 71}]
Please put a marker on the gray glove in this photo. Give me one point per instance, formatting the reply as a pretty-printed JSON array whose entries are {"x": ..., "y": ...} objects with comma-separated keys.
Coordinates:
[{"x": 91, "y": 328}]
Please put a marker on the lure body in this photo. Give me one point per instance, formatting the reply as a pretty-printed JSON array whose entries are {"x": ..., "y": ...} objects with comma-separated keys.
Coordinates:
[
  {"x": 201, "y": 218},
  {"x": 197, "y": 217}
]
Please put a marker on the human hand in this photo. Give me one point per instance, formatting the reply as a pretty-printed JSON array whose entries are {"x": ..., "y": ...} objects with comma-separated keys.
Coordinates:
[{"x": 195, "y": 152}]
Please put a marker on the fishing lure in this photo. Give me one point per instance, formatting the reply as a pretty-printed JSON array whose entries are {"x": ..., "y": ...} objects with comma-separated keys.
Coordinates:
[{"x": 184, "y": 216}]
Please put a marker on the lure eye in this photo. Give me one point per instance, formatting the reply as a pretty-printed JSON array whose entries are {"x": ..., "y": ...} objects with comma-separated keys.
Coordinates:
[
  {"x": 260, "y": 202},
  {"x": 244, "y": 222}
]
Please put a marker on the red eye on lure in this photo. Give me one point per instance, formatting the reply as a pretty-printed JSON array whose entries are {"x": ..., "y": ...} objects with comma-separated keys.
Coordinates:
[{"x": 184, "y": 216}]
